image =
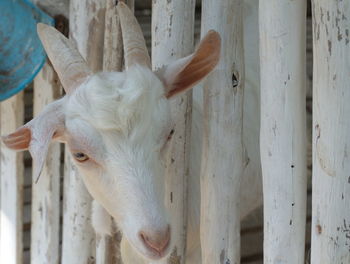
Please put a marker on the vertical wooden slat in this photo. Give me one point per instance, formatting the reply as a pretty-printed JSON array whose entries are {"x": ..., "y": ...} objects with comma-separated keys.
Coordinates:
[
  {"x": 101, "y": 249},
  {"x": 172, "y": 38},
  {"x": 87, "y": 19},
  {"x": 222, "y": 159},
  {"x": 331, "y": 133},
  {"x": 108, "y": 247},
  {"x": 283, "y": 128},
  {"x": 131, "y": 4},
  {"x": 78, "y": 242},
  {"x": 11, "y": 185},
  {"x": 113, "y": 42},
  {"x": 46, "y": 192}
]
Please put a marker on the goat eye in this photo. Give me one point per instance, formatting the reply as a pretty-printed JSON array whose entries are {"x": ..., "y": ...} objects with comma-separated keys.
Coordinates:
[{"x": 81, "y": 157}]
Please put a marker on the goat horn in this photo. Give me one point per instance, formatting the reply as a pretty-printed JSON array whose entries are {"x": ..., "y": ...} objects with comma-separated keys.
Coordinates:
[
  {"x": 65, "y": 58},
  {"x": 135, "y": 50}
]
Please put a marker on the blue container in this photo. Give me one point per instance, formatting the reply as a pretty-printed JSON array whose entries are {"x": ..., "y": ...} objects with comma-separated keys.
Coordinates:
[{"x": 21, "y": 53}]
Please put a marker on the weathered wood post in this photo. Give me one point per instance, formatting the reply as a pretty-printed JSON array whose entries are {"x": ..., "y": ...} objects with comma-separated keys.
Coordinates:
[
  {"x": 331, "y": 133},
  {"x": 87, "y": 19},
  {"x": 11, "y": 185},
  {"x": 172, "y": 38},
  {"x": 222, "y": 159},
  {"x": 46, "y": 192},
  {"x": 113, "y": 42},
  {"x": 283, "y": 128},
  {"x": 108, "y": 248}
]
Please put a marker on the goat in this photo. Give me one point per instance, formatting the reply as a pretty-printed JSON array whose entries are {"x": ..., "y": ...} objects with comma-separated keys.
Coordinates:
[{"x": 116, "y": 126}]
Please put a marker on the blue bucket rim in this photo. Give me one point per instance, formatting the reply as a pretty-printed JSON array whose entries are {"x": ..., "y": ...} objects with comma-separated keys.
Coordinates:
[{"x": 25, "y": 83}]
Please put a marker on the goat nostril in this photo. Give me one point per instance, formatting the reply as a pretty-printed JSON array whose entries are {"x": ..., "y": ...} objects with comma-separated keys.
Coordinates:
[
  {"x": 144, "y": 237},
  {"x": 156, "y": 241}
]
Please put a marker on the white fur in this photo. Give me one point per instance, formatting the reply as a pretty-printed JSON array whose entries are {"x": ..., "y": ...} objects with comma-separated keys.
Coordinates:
[
  {"x": 121, "y": 121},
  {"x": 124, "y": 102}
]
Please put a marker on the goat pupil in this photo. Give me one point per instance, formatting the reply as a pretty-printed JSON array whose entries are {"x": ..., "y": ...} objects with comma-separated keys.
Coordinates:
[{"x": 80, "y": 156}]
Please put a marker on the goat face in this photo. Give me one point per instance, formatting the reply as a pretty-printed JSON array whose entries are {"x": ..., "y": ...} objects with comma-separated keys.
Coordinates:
[{"x": 117, "y": 127}]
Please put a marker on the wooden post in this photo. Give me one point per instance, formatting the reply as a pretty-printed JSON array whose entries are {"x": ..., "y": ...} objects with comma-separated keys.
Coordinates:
[
  {"x": 331, "y": 133},
  {"x": 11, "y": 185},
  {"x": 283, "y": 128},
  {"x": 108, "y": 248},
  {"x": 222, "y": 158},
  {"x": 46, "y": 192},
  {"x": 282, "y": 137},
  {"x": 87, "y": 19},
  {"x": 78, "y": 241},
  {"x": 172, "y": 38},
  {"x": 113, "y": 42}
]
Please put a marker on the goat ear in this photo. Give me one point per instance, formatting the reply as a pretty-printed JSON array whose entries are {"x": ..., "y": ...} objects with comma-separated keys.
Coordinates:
[
  {"x": 184, "y": 73},
  {"x": 37, "y": 135}
]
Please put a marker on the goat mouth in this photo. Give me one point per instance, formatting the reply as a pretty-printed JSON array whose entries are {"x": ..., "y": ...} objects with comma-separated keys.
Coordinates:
[
  {"x": 154, "y": 254},
  {"x": 151, "y": 253}
]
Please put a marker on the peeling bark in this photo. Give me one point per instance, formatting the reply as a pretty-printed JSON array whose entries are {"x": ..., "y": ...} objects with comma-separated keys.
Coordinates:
[
  {"x": 283, "y": 128},
  {"x": 331, "y": 139},
  {"x": 222, "y": 157},
  {"x": 87, "y": 21},
  {"x": 46, "y": 192},
  {"x": 172, "y": 33},
  {"x": 11, "y": 185}
]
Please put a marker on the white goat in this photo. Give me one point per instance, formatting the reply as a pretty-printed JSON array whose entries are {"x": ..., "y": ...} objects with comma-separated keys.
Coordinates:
[{"x": 117, "y": 128}]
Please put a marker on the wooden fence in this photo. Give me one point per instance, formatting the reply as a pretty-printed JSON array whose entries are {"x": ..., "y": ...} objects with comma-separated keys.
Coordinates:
[{"x": 50, "y": 222}]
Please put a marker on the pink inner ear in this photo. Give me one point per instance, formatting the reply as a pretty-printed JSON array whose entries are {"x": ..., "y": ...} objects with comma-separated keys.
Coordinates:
[
  {"x": 202, "y": 62},
  {"x": 18, "y": 140}
]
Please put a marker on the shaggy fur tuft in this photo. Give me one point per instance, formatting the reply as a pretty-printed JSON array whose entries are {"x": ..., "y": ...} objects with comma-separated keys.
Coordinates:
[{"x": 119, "y": 101}]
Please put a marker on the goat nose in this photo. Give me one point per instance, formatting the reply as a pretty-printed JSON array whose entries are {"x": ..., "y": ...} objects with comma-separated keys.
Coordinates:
[{"x": 157, "y": 241}]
